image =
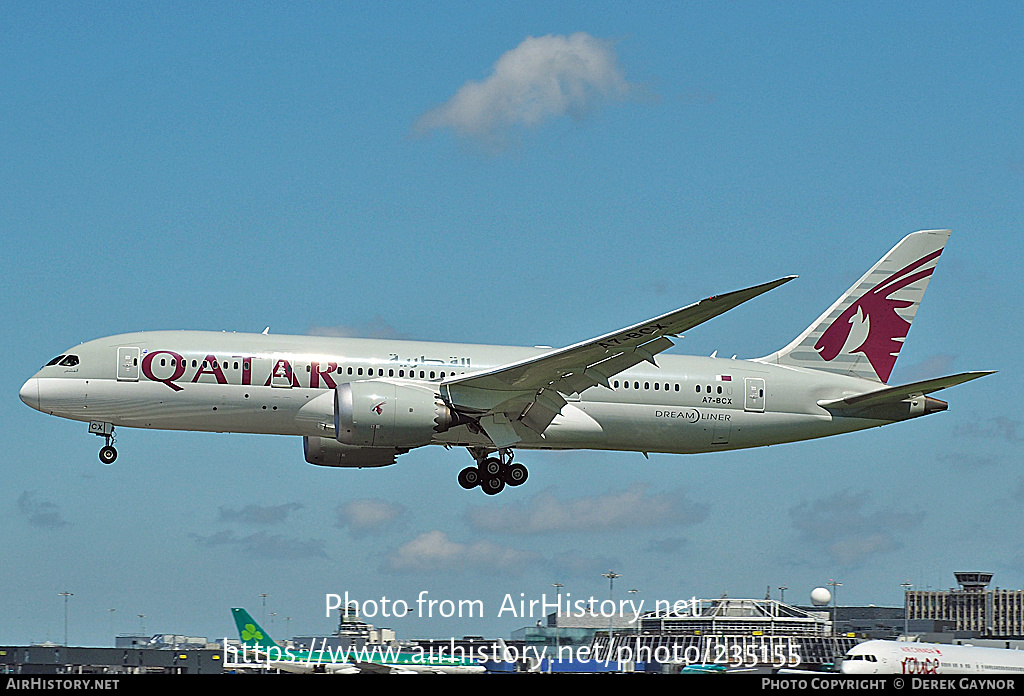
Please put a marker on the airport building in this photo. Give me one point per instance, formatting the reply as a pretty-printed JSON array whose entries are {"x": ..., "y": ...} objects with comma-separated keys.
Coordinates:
[
  {"x": 761, "y": 634},
  {"x": 971, "y": 609}
]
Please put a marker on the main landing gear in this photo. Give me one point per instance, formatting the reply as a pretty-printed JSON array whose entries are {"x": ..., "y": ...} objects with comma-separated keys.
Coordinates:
[
  {"x": 492, "y": 473},
  {"x": 105, "y": 430}
]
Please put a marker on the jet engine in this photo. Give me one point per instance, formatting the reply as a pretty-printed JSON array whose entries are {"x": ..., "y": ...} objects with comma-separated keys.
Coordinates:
[
  {"x": 375, "y": 413},
  {"x": 325, "y": 452}
]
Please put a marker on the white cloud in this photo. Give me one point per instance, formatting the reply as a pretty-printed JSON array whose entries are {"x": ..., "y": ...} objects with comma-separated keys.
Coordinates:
[
  {"x": 368, "y": 516},
  {"x": 263, "y": 545},
  {"x": 630, "y": 509},
  {"x": 841, "y": 526},
  {"x": 40, "y": 513},
  {"x": 543, "y": 78},
  {"x": 258, "y": 514},
  {"x": 375, "y": 328},
  {"x": 433, "y": 551}
]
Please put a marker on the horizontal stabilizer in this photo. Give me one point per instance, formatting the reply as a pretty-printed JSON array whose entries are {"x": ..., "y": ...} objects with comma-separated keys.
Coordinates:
[{"x": 902, "y": 392}]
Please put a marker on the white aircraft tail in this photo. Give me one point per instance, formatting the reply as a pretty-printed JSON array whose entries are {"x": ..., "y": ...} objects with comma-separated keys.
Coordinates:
[{"x": 862, "y": 333}]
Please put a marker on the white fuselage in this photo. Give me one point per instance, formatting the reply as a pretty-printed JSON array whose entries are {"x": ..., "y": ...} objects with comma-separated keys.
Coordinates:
[
  {"x": 256, "y": 383},
  {"x": 897, "y": 657}
]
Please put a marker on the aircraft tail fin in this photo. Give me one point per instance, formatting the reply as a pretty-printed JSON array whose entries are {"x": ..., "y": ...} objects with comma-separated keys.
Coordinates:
[
  {"x": 862, "y": 333},
  {"x": 250, "y": 632}
]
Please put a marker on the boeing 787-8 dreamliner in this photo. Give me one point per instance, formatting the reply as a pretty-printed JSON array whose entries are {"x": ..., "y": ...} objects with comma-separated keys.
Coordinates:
[{"x": 364, "y": 402}]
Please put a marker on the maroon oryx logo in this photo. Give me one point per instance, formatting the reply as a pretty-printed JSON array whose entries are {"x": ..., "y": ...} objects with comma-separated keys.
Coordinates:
[
  {"x": 379, "y": 408},
  {"x": 886, "y": 328}
]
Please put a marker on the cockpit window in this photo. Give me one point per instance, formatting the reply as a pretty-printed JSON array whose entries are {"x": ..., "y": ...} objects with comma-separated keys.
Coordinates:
[
  {"x": 54, "y": 361},
  {"x": 69, "y": 361}
]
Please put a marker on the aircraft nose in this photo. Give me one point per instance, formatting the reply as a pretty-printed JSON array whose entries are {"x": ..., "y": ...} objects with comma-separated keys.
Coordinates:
[{"x": 30, "y": 393}]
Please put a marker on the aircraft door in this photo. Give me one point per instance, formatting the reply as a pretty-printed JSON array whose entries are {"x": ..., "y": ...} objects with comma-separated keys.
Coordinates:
[
  {"x": 281, "y": 375},
  {"x": 754, "y": 394},
  {"x": 127, "y": 364}
]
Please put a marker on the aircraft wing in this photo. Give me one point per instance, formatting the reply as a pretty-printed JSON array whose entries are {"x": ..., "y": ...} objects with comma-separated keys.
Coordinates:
[{"x": 531, "y": 391}]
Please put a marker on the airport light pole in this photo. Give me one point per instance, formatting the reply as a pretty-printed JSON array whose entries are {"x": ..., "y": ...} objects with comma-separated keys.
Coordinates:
[
  {"x": 66, "y": 595},
  {"x": 264, "y": 597},
  {"x": 782, "y": 594},
  {"x": 835, "y": 603},
  {"x": 558, "y": 615},
  {"x": 906, "y": 607},
  {"x": 611, "y": 575}
]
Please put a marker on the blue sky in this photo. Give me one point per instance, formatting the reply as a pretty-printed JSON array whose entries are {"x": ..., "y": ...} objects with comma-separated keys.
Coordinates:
[{"x": 233, "y": 166}]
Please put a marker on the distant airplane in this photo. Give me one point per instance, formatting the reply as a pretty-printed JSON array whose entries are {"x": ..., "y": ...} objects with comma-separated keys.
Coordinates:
[
  {"x": 258, "y": 649},
  {"x": 363, "y": 402},
  {"x": 899, "y": 657}
]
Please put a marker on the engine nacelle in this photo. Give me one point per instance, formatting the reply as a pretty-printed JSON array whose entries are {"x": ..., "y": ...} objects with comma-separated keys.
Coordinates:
[
  {"x": 375, "y": 413},
  {"x": 325, "y": 452}
]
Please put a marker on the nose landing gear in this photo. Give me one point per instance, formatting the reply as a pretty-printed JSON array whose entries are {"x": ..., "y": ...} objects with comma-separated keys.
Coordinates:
[
  {"x": 492, "y": 474},
  {"x": 105, "y": 430}
]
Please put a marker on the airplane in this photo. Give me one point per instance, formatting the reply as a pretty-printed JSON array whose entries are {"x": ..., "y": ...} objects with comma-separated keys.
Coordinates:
[
  {"x": 363, "y": 402},
  {"x": 899, "y": 657},
  {"x": 260, "y": 650}
]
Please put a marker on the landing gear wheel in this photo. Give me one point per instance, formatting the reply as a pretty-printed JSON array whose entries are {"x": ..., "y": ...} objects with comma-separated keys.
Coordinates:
[
  {"x": 493, "y": 485},
  {"x": 470, "y": 477},
  {"x": 516, "y": 474},
  {"x": 107, "y": 455},
  {"x": 491, "y": 467}
]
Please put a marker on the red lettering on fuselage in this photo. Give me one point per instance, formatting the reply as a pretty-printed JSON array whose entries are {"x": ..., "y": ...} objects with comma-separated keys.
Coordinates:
[
  {"x": 177, "y": 361},
  {"x": 316, "y": 374},
  {"x": 214, "y": 370}
]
